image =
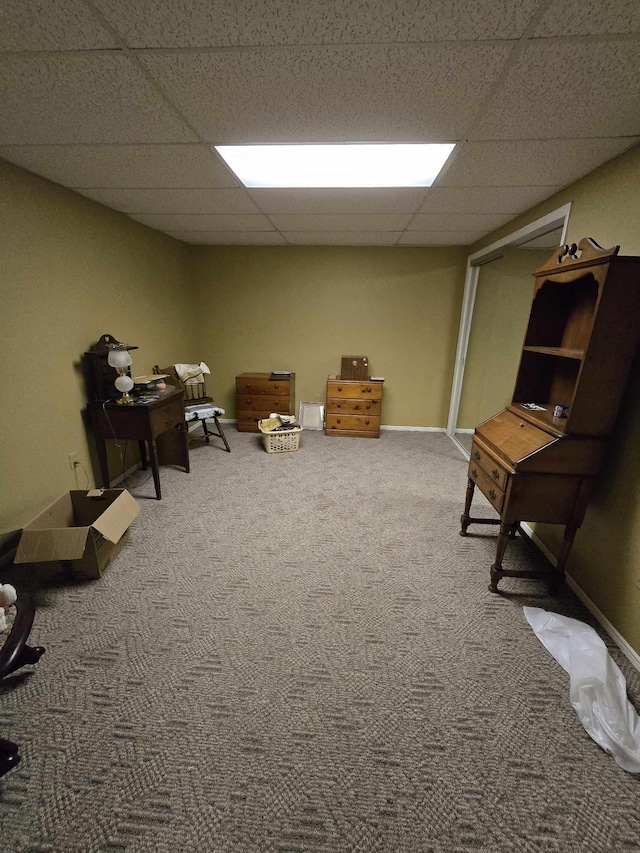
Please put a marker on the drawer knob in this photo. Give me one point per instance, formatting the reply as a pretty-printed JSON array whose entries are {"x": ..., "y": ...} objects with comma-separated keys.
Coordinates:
[
  {"x": 275, "y": 385},
  {"x": 476, "y": 455},
  {"x": 356, "y": 406},
  {"x": 474, "y": 474},
  {"x": 339, "y": 387},
  {"x": 521, "y": 424},
  {"x": 495, "y": 473},
  {"x": 338, "y": 421},
  {"x": 367, "y": 422},
  {"x": 338, "y": 405},
  {"x": 492, "y": 494}
]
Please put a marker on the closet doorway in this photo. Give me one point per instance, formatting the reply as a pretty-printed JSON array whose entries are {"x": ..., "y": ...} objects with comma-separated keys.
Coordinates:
[{"x": 496, "y": 305}]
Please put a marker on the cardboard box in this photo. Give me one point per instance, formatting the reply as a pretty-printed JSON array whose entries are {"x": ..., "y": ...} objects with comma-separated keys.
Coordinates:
[
  {"x": 354, "y": 367},
  {"x": 83, "y": 530}
]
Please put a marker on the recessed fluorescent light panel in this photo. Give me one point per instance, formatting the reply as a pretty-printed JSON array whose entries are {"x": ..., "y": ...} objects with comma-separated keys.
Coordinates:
[{"x": 412, "y": 165}]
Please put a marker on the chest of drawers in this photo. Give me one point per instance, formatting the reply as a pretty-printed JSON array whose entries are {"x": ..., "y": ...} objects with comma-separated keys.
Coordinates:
[
  {"x": 259, "y": 394},
  {"x": 353, "y": 407}
]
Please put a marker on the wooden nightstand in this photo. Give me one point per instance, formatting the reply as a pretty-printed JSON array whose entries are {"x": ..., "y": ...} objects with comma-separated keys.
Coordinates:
[
  {"x": 353, "y": 407},
  {"x": 259, "y": 394}
]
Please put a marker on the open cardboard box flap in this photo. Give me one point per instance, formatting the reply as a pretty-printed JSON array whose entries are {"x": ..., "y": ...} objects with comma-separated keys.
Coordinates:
[
  {"x": 60, "y": 532},
  {"x": 40, "y": 546},
  {"x": 117, "y": 518}
]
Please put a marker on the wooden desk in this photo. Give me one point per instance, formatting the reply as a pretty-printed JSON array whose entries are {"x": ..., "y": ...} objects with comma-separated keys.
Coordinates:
[
  {"x": 530, "y": 474},
  {"x": 537, "y": 459},
  {"x": 159, "y": 424}
]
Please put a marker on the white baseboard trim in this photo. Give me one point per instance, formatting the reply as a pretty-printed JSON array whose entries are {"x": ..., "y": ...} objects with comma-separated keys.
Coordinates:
[
  {"x": 627, "y": 650},
  {"x": 412, "y": 428},
  {"x": 382, "y": 426},
  {"x": 465, "y": 431}
]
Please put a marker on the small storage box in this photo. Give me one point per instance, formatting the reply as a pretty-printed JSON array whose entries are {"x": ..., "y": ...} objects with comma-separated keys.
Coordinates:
[
  {"x": 354, "y": 367},
  {"x": 281, "y": 441}
]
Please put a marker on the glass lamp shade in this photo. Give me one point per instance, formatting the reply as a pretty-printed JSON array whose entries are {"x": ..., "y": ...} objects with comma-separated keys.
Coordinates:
[
  {"x": 124, "y": 383},
  {"x": 118, "y": 357}
]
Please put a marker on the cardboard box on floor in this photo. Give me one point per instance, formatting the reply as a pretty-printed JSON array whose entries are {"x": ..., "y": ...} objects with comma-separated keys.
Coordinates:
[{"x": 85, "y": 529}]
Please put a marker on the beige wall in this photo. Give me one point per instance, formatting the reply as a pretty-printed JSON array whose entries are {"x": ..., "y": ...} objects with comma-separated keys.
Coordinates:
[
  {"x": 500, "y": 314},
  {"x": 605, "y": 560},
  {"x": 71, "y": 270},
  {"x": 302, "y": 308}
]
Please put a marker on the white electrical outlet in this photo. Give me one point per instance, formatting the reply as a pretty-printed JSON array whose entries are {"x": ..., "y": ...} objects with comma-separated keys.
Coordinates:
[{"x": 73, "y": 460}]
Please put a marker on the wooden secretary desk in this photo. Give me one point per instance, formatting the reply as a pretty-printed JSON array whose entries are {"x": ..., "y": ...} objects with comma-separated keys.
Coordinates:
[{"x": 536, "y": 460}]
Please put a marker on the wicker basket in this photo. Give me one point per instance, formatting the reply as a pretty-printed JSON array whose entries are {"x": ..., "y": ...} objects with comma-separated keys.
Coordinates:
[{"x": 281, "y": 441}]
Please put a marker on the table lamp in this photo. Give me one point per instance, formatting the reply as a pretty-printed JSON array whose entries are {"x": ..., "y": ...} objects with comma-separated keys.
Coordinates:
[{"x": 120, "y": 360}]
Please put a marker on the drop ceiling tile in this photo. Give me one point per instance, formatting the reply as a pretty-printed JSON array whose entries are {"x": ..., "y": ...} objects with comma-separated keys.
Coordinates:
[
  {"x": 579, "y": 89},
  {"x": 440, "y": 238},
  {"x": 82, "y": 98},
  {"x": 331, "y": 94},
  {"x": 167, "y": 23},
  {"x": 458, "y": 221},
  {"x": 529, "y": 162},
  {"x": 79, "y": 166},
  {"x": 589, "y": 17},
  {"x": 174, "y": 201},
  {"x": 204, "y": 222},
  {"x": 297, "y": 201},
  {"x": 58, "y": 25},
  {"x": 342, "y": 222},
  {"x": 342, "y": 238},
  {"x": 230, "y": 238},
  {"x": 509, "y": 200}
]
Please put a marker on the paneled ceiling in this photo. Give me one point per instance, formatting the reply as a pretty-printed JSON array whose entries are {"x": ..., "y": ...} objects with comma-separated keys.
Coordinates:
[{"x": 122, "y": 100}]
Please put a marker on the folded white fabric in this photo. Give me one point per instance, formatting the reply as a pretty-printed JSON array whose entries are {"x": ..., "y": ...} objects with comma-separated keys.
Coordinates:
[
  {"x": 191, "y": 373},
  {"x": 202, "y": 412}
]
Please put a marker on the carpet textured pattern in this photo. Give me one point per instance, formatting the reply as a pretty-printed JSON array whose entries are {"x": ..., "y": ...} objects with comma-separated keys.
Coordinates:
[{"x": 298, "y": 652}]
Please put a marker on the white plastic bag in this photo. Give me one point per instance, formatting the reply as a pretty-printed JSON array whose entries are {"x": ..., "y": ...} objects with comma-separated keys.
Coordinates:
[{"x": 598, "y": 690}]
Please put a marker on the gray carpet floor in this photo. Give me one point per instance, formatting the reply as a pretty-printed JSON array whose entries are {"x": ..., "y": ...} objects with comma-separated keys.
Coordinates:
[{"x": 298, "y": 652}]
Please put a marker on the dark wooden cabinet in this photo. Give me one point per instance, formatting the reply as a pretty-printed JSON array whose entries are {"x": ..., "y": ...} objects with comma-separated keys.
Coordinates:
[
  {"x": 260, "y": 394},
  {"x": 158, "y": 425},
  {"x": 354, "y": 407},
  {"x": 536, "y": 460}
]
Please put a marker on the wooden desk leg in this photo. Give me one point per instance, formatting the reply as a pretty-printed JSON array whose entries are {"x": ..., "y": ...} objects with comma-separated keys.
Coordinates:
[
  {"x": 465, "y": 519},
  {"x": 143, "y": 454},
  {"x": 153, "y": 454},
  {"x": 184, "y": 429},
  {"x": 567, "y": 543},
  {"x": 496, "y": 568},
  {"x": 101, "y": 448},
  {"x": 570, "y": 531}
]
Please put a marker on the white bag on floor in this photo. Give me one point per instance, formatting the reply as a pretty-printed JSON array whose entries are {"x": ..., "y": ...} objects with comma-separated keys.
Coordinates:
[{"x": 598, "y": 690}]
